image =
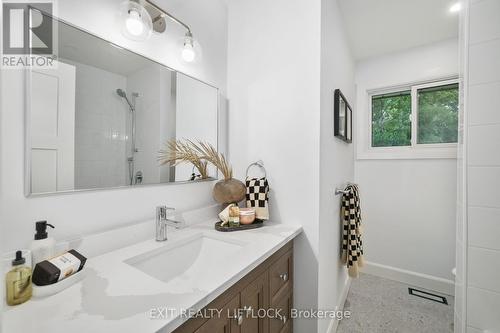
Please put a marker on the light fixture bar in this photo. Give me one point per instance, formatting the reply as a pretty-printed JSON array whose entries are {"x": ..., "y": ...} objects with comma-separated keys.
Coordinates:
[{"x": 167, "y": 14}]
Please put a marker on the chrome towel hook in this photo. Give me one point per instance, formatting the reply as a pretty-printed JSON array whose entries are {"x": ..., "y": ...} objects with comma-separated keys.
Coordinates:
[{"x": 339, "y": 191}]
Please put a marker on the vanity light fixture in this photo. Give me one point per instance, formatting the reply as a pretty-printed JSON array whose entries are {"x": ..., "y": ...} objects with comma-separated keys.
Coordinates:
[
  {"x": 141, "y": 17},
  {"x": 188, "y": 53},
  {"x": 456, "y": 7},
  {"x": 134, "y": 23},
  {"x": 137, "y": 23}
]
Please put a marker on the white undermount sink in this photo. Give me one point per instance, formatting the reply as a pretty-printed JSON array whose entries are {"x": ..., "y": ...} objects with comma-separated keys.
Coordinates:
[{"x": 197, "y": 255}]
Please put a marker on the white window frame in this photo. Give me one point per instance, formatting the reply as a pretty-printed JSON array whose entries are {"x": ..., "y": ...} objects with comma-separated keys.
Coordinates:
[{"x": 414, "y": 150}]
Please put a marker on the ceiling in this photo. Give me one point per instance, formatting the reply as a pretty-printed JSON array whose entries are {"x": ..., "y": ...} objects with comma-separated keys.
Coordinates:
[{"x": 377, "y": 27}]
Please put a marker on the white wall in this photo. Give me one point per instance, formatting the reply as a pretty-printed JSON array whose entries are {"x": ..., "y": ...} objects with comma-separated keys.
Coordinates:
[
  {"x": 83, "y": 213},
  {"x": 337, "y": 159},
  {"x": 483, "y": 167},
  {"x": 408, "y": 204},
  {"x": 274, "y": 94}
]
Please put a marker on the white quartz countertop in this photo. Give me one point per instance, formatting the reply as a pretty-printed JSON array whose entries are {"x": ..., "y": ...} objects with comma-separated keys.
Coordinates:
[{"x": 117, "y": 297}]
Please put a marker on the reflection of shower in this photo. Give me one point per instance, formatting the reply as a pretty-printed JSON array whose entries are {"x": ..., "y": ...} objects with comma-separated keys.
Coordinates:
[
  {"x": 123, "y": 94},
  {"x": 133, "y": 149}
]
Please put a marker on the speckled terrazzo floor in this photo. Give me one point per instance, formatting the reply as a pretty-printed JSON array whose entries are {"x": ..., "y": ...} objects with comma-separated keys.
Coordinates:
[{"x": 379, "y": 305}]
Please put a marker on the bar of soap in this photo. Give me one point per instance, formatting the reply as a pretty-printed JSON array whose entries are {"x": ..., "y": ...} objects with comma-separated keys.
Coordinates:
[{"x": 58, "y": 268}]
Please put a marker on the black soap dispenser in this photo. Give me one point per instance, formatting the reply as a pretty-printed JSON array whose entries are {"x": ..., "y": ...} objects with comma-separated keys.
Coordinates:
[{"x": 43, "y": 247}]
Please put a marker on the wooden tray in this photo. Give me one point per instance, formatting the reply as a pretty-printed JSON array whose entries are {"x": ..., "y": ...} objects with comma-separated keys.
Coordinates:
[{"x": 256, "y": 224}]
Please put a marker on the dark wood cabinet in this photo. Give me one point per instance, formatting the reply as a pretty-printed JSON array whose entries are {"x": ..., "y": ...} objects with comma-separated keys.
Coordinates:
[
  {"x": 223, "y": 323},
  {"x": 280, "y": 277},
  {"x": 254, "y": 303},
  {"x": 250, "y": 305},
  {"x": 283, "y": 322},
  {"x": 281, "y": 293}
]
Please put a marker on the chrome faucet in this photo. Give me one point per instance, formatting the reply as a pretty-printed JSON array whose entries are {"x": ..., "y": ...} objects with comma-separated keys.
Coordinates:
[{"x": 162, "y": 222}]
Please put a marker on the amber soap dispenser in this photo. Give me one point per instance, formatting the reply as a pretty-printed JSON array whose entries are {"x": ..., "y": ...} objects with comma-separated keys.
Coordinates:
[{"x": 18, "y": 281}]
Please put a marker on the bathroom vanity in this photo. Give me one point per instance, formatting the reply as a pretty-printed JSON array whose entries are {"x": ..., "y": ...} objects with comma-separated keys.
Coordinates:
[
  {"x": 267, "y": 289},
  {"x": 149, "y": 286}
]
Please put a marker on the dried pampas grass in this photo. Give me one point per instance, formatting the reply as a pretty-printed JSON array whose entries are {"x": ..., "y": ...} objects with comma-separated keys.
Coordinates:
[
  {"x": 207, "y": 152},
  {"x": 178, "y": 152},
  {"x": 198, "y": 153}
]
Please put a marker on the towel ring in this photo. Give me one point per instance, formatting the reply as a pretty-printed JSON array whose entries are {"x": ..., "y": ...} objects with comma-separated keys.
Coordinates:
[{"x": 259, "y": 164}]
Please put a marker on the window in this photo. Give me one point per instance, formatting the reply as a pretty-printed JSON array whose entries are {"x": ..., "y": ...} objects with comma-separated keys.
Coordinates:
[
  {"x": 437, "y": 114},
  {"x": 391, "y": 123},
  {"x": 418, "y": 115}
]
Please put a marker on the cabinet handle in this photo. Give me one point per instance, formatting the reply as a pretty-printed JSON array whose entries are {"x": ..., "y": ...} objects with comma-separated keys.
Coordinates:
[
  {"x": 284, "y": 276},
  {"x": 240, "y": 320}
]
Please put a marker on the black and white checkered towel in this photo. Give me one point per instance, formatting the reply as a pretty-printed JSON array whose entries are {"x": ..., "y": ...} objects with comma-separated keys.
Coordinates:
[
  {"x": 352, "y": 245},
  {"x": 257, "y": 196}
]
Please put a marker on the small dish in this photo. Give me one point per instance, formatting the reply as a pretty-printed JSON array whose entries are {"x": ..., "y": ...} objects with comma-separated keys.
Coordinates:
[
  {"x": 52, "y": 289},
  {"x": 256, "y": 224},
  {"x": 247, "y": 215}
]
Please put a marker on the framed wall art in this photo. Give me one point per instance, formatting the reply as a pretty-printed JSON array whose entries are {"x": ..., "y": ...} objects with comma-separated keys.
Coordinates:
[{"x": 342, "y": 117}]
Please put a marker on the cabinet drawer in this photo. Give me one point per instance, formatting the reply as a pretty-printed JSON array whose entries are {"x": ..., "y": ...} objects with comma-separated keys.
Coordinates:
[
  {"x": 282, "y": 323},
  {"x": 280, "y": 276}
]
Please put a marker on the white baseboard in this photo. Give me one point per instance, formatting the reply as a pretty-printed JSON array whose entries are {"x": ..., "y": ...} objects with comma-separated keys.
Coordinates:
[
  {"x": 334, "y": 323},
  {"x": 424, "y": 281}
]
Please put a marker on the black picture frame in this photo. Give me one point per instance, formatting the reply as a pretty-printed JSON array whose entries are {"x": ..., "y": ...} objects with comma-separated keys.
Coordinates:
[{"x": 342, "y": 117}]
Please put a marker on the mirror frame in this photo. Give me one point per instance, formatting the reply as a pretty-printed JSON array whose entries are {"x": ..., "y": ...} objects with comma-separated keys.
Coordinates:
[{"x": 27, "y": 125}]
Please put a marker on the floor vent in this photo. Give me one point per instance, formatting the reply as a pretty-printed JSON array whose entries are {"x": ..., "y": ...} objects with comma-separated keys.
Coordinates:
[{"x": 427, "y": 295}]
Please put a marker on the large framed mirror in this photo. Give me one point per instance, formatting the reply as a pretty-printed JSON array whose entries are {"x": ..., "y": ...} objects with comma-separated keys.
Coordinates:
[{"x": 98, "y": 118}]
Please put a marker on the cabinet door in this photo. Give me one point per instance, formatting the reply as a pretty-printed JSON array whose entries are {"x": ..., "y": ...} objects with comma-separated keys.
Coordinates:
[
  {"x": 254, "y": 303},
  {"x": 226, "y": 322},
  {"x": 282, "y": 323}
]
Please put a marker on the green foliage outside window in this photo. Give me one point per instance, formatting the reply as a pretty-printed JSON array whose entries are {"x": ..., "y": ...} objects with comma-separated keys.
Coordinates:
[
  {"x": 437, "y": 117},
  {"x": 438, "y": 114},
  {"x": 391, "y": 124}
]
